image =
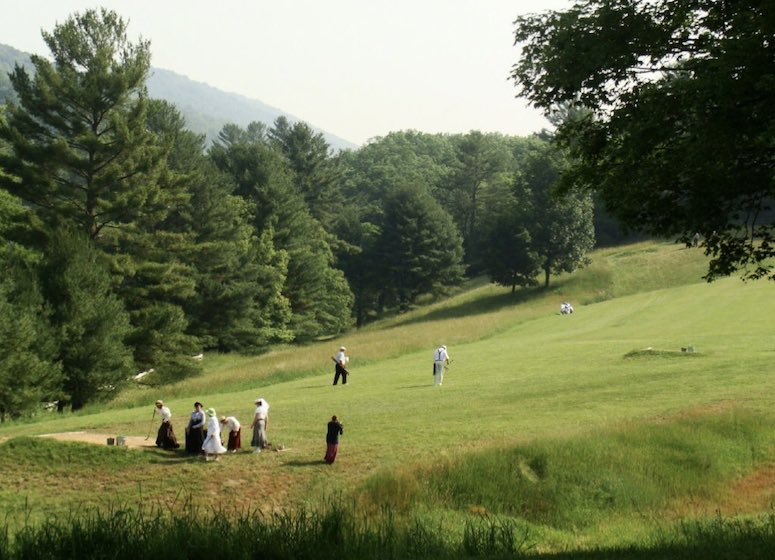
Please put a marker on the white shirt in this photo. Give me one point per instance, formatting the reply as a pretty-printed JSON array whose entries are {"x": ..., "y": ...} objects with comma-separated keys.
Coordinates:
[
  {"x": 341, "y": 358},
  {"x": 231, "y": 424},
  {"x": 262, "y": 410},
  {"x": 165, "y": 414},
  {"x": 440, "y": 355}
]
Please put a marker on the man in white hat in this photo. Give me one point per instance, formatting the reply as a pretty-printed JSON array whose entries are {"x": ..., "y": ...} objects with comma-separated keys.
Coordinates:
[
  {"x": 440, "y": 361},
  {"x": 340, "y": 370}
]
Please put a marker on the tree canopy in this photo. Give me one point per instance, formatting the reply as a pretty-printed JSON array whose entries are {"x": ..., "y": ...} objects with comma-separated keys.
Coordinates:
[
  {"x": 129, "y": 244},
  {"x": 681, "y": 137}
]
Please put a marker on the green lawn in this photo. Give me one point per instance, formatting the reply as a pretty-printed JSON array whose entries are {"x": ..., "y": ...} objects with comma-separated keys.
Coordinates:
[{"x": 522, "y": 375}]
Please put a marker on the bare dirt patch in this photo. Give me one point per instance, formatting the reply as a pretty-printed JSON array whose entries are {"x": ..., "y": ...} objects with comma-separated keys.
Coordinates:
[{"x": 134, "y": 442}]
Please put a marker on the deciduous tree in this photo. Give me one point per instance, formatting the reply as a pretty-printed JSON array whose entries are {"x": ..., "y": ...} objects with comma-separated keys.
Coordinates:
[
  {"x": 560, "y": 225},
  {"x": 681, "y": 135}
]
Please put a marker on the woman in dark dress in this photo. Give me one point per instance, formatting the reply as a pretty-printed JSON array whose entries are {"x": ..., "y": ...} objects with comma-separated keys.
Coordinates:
[
  {"x": 335, "y": 429},
  {"x": 195, "y": 435},
  {"x": 165, "y": 437}
]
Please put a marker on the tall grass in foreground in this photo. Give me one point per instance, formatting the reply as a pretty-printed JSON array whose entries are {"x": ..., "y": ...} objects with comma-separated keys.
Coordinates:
[
  {"x": 575, "y": 484},
  {"x": 337, "y": 533}
]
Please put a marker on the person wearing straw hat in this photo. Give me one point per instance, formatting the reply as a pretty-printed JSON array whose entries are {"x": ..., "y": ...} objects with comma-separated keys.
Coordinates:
[
  {"x": 195, "y": 431},
  {"x": 212, "y": 444},
  {"x": 340, "y": 369},
  {"x": 231, "y": 425},
  {"x": 165, "y": 437},
  {"x": 260, "y": 425}
]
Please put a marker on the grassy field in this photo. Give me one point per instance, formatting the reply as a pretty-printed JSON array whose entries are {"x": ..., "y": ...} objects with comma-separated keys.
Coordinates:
[{"x": 593, "y": 429}]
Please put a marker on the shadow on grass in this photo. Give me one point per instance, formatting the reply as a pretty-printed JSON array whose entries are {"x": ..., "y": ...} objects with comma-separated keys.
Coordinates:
[
  {"x": 170, "y": 456},
  {"x": 478, "y": 306},
  {"x": 300, "y": 463}
]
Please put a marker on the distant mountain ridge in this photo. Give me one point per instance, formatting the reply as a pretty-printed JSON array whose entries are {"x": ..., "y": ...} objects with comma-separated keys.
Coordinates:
[{"x": 205, "y": 108}]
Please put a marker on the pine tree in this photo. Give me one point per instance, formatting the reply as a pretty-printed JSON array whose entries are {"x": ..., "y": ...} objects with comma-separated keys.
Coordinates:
[
  {"x": 319, "y": 297},
  {"x": 90, "y": 321},
  {"x": 237, "y": 276},
  {"x": 418, "y": 251},
  {"x": 79, "y": 149},
  {"x": 29, "y": 372}
]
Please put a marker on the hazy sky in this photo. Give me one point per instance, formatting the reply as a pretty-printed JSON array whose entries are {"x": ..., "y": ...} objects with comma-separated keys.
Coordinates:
[{"x": 355, "y": 68}]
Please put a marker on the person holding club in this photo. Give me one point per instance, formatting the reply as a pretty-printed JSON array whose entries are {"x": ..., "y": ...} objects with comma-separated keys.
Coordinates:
[
  {"x": 165, "y": 437},
  {"x": 340, "y": 369},
  {"x": 440, "y": 361}
]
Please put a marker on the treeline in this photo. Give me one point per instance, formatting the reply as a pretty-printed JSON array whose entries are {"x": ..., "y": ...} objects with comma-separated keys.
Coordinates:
[{"x": 130, "y": 245}]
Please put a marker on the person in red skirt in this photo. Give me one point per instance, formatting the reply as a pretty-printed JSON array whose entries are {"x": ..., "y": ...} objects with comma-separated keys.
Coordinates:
[
  {"x": 335, "y": 429},
  {"x": 231, "y": 426}
]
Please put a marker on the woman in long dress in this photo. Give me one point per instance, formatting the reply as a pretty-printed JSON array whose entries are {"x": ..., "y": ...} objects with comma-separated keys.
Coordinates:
[
  {"x": 212, "y": 444},
  {"x": 195, "y": 435},
  {"x": 165, "y": 437},
  {"x": 232, "y": 426},
  {"x": 260, "y": 424},
  {"x": 333, "y": 431}
]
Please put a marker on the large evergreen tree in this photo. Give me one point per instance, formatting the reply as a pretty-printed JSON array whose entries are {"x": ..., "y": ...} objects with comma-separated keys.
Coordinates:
[
  {"x": 316, "y": 173},
  {"x": 80, "y": 150},
  {"x": 90, "y": 322},
  {"x": 238, "y": 276},
  {"x": 418, "y": 251},
  {"x": 29, "y": 372},
  {"x": 83, "y": 156},
  {"x": 320, "y": 299}
]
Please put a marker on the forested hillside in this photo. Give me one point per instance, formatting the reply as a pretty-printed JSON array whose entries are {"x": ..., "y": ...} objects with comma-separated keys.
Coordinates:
[{"x": 132, "y": 243}]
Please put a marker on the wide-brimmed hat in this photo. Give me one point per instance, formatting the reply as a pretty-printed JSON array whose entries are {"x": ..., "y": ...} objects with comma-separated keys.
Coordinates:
[
  {"x": 211, "y": 412},
  {"x": 197, "y": 403},
  {"x": 223, "y": 419},
  {"x": 342, "y": 348},
  {"x": 160, "y": 403}
]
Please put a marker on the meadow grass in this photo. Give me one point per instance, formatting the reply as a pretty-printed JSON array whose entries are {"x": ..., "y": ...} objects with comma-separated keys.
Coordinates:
[{"x": 526, "y": 385}]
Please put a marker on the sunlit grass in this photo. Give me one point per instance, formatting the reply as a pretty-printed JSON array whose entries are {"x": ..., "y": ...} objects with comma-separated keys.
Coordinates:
[{"x": 522, "y": 374}]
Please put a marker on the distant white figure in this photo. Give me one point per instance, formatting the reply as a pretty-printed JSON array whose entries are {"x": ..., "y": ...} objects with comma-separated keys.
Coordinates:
[
  {"x": 440, "y": 360},
  {"x": 566, "y": 308}
]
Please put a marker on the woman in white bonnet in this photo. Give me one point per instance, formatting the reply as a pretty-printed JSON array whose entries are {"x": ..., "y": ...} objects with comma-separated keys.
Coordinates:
[
  {"x": 212, "y": 444},
  {"x": 260, "y": 424}
]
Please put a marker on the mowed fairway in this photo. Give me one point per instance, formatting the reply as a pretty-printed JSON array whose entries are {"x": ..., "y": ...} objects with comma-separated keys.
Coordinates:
[{"x": 521, "y": 373}]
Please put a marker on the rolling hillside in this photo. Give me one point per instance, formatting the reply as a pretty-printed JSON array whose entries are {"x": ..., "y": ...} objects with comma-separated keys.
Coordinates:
[{"x": 522, "y": 375}]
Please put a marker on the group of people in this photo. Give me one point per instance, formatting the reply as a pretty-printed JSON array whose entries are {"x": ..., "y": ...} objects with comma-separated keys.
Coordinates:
[
  {"x": 204, "y": 432},
  {"x": 204, "y": 429},
  {"x": 441, "y": 360}
]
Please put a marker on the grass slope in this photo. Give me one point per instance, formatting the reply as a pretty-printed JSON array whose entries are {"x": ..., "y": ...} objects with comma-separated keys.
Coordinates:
[{"x": 521, "y": 374}]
